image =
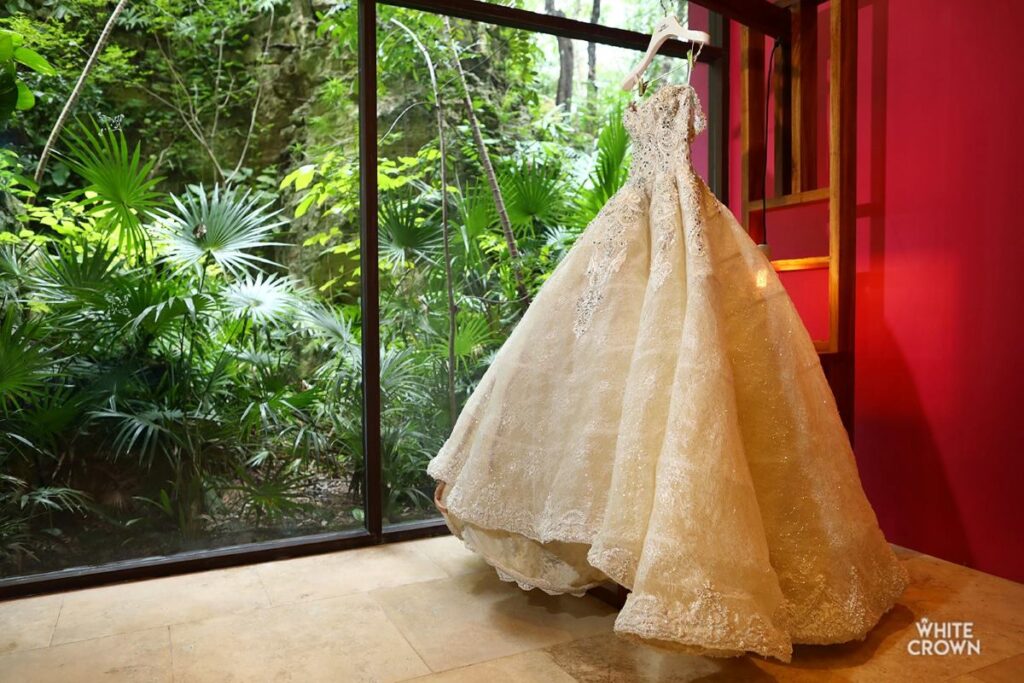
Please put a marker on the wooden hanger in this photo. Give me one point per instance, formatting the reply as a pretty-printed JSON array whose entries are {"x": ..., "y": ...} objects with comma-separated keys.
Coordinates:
[{"x": 668, "y": 28}]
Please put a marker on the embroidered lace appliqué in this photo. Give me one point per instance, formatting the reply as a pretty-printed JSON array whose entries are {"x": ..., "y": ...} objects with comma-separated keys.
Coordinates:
[{"x": 610, "y": 240}]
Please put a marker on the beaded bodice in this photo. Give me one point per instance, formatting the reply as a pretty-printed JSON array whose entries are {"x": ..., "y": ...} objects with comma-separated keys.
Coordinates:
[{"x": 661, "y": 129}]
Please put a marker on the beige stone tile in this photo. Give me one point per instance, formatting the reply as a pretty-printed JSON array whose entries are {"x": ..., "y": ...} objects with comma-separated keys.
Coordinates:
[
  {"x": 128, "y": 607},
  {"x": 450, "y": 554},
  {"x": 527, "y": 667},
  {"x": 476, "y": 617},
  {"x": 1010, "y": 670},
  {"x": 939, "y": 591},
  {"x": 337, "y": 639},
  {"x": 138, "y": 657},
  {"x": 28, "y": 623},
  {"x": 346, "y": 572},
  {"x": 609, "y": 659},
  {"x": 943, "y": 590}
]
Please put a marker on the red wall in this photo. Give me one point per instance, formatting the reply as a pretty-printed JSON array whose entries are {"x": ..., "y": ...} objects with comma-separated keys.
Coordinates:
[{"x": 938, "y": 432}]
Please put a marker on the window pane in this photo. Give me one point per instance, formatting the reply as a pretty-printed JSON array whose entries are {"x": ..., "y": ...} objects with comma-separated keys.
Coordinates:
[
  {"x": 180, "y": 362},
  {"x": 543, "y": 143}
]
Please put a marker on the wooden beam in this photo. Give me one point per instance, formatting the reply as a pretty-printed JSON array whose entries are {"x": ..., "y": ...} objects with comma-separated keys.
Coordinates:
[
  {"x": 843, "y": 201},
  {"x": 842, "y": 166},
  {"x": 781, "y": 82},
  {"x": 803, "y": 92},
  {"x": 759, "y": 15},
  {"x": 718, "y": 110},
  {"x": 794, "y": 199},
  {"x": 787, "y": 265},
  {"x": 512, "y": 17},
  {"x": 752, "y": 138}
]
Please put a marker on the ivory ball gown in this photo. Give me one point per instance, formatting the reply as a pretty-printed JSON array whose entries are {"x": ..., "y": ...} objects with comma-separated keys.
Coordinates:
[{"x": 659, "y": 417}]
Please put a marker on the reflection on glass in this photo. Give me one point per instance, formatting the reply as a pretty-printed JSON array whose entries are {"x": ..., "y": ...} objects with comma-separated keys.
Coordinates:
[{"x": 554, "y": 136}]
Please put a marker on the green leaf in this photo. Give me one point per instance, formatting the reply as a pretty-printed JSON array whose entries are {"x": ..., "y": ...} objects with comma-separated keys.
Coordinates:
[
  {"x": 301, "y": 177},
  {"x": 26, "y": 181},
  {"x": 6, "y": 47},
  {"x": 16, "y": 38},
  {"x": 8, "y": 96},
  {"x": 304, "y": 177},
  {"x": 26, "y": 100},
  {"x": 34, "y": 61},
  {"x": 304, "y": 205}
]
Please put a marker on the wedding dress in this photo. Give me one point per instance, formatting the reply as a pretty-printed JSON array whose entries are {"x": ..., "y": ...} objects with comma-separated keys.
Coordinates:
[{"x": 659, "y": 417}]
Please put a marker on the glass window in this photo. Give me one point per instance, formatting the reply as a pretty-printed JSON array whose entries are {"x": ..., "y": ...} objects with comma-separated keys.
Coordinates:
[
  {"x": 181, "y": 323},
  {"x": 544, "y": 121},
  {"x": 179, "y": 338}
]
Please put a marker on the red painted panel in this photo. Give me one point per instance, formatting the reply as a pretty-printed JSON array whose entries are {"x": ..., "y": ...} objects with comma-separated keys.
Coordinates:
[
  {"x": 799, "y": 231},
  {"x": 939, "y": 370},
  {"x": 809, "y": 291}
]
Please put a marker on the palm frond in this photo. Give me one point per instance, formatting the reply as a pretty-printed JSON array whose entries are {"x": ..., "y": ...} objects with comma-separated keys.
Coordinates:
[
  {"x": 610, "y": 169},
  {"x": 267, "y": 299},
  {"x": 225, "y": 226},
  {"x": 24, "y": 362},
  {"x": 405, "y": 235},
  {"x": 120, "y": 192},
  {"x": 13, "y": 273},
  {"x": 145, "y": 431},
  {"x": 77, "y": 271},
  {"x": 333, "y": 326},
  {"x": 404, "y": 377},
  {"x": 155, "y": 307},
  {"x": 473, "y": 335},
  {"x": 535, "y": 194},
  {"x": 477, "y": 213}
]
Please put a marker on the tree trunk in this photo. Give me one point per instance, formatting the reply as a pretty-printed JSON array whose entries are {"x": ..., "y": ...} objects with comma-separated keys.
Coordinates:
[
  {"x": 563, "y": 94},
  {"x": 595, "y": 16},
  {"x": 446, "y": 234},
  {"x": 485, "y": 161},
  {"x": 97, "y": 50}
]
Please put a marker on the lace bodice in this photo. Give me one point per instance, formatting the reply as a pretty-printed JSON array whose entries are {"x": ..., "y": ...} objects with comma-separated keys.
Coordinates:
[{"x": 661, "y": 129}]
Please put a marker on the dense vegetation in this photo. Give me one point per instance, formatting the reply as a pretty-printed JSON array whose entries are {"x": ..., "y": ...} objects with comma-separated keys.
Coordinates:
[{"x": 180, "y": 333}]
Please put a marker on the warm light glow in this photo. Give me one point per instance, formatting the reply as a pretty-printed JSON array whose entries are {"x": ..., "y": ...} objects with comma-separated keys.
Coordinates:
[{"x": 762, "y": 278}]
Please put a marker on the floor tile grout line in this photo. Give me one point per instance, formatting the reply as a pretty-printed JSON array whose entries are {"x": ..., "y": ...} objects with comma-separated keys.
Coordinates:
[
  {"x": 438, "y": 565},
  {"x": 60, "y": 611},
  {"x": 568, "y": 639},
  {"x": 562, "y": 668},
  {"x": 401, "y": 632},
  {"x": 263, "y": 585},
  {"x": 170, "y": 651},
  {"x": 543, "y": 649},
  {"x": 988, "y": 666},
  {"x": 224, "y": 615},
  {"x": 228, "y": 615},
  {"x": 152, "y": 627}
]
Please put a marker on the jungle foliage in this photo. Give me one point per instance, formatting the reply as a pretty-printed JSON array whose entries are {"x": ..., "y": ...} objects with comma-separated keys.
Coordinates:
[{"x": 180, "y": 332}]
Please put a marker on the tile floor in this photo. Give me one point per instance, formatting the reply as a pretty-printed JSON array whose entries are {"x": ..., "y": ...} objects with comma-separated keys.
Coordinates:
[{"x": 431, "y": 611}]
